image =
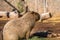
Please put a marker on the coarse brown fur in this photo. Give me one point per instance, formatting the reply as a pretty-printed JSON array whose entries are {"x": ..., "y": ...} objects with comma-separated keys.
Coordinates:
[{"x": 21, "y": 27}]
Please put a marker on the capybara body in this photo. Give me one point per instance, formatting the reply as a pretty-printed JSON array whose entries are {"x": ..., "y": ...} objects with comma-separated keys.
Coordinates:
[{"x": 20, "y": 27}]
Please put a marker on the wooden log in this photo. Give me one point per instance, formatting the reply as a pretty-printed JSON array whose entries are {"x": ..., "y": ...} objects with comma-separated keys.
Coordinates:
[{"x": 11, "y": 14}]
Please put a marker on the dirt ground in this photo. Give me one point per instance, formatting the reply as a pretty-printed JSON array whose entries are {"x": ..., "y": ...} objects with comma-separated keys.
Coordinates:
[
  {"x": 55, "y": 27},
  {"x": 2, "y": 23}
]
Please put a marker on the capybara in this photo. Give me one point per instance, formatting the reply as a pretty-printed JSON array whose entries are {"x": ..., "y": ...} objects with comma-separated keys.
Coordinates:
[{"x": 20, "y": 27}]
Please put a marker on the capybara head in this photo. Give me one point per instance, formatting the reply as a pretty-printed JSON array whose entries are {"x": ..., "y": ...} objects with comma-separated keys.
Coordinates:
[{"x": 36, "y": 15}]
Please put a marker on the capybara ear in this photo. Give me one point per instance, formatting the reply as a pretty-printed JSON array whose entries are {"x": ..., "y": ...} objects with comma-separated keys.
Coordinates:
[
  {"x": 22, "y": 0},
  {"x": 32, "y": 12}
]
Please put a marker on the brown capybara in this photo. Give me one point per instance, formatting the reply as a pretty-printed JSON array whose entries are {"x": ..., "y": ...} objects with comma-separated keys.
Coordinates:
[{"x": 20, "y": 27}]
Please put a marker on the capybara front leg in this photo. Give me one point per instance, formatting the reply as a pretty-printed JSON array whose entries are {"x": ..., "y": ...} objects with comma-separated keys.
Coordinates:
[{"x": 27, "y": 35}]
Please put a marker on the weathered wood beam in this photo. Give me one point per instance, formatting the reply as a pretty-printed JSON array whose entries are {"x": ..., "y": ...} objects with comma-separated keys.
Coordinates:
[{"x": 10, "y": 14}]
